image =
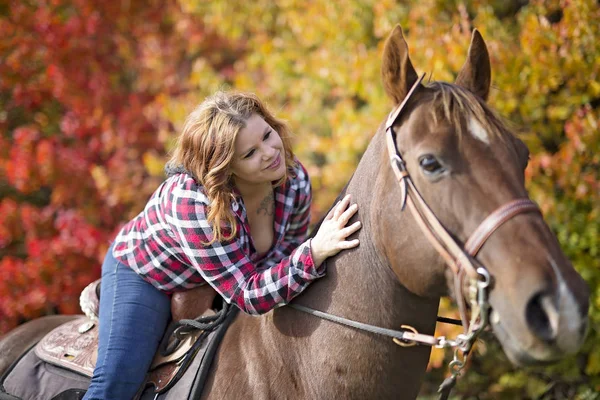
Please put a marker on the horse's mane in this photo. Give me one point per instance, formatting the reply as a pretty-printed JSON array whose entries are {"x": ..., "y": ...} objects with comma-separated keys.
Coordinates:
[{"x": 457, "y": 104}]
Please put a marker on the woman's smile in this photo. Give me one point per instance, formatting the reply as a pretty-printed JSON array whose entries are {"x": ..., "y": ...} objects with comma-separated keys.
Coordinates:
[{"x": 276, "y": 163}]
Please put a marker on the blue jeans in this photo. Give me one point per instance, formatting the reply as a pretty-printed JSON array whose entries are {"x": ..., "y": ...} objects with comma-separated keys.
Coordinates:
[{"x": 133, "y": 317}]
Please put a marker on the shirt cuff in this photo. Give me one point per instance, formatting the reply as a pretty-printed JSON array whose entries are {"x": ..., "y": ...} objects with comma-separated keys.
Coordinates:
[{"x": 318, "y": 272}]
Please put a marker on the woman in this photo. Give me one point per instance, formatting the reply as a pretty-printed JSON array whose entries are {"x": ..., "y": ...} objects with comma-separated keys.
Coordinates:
[{"x": 234, "y": 214}]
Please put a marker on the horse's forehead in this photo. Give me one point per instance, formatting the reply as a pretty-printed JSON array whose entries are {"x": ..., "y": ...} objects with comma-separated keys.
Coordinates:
[
  {"x": 476, "y": 130},
  {"x": 430, "y": 117},
  {"x": 426, "y": 120}
]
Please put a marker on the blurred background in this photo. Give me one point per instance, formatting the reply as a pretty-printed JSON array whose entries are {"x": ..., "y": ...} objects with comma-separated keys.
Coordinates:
[{"x": 93, "y": 93}]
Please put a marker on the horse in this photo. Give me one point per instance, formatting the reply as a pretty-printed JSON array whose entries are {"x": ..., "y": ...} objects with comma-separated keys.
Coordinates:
[{"x": 445, "y": 155}]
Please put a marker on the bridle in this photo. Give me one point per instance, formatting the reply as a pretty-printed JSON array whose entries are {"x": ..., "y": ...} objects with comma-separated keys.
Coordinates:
[{"x": 460, "y": 259}]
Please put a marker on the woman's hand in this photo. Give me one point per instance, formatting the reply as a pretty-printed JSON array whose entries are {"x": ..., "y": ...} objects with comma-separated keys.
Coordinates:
[{"x": 332, "y": 234}]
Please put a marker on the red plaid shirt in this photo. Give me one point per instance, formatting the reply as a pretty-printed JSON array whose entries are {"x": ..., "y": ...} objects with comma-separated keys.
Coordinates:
[{"x": 163, "y": 244}]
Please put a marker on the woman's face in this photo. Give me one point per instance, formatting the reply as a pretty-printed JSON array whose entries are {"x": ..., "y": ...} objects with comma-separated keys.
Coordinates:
[{"x": 259, "y": 156}]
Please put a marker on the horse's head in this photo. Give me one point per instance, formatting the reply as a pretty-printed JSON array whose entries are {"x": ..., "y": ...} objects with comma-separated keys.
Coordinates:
[{"x": 466, "y": 164}]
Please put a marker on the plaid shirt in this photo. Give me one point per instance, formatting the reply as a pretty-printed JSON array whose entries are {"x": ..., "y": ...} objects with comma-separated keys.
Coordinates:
[{"x": 164, "y": 245}]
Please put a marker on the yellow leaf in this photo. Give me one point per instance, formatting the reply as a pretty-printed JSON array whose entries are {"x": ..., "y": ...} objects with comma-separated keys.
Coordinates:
[{"x": 153, "y": 163}]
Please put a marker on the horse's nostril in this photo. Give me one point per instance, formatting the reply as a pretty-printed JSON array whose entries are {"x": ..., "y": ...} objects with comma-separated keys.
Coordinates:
[{"x": 542, "y": 317}]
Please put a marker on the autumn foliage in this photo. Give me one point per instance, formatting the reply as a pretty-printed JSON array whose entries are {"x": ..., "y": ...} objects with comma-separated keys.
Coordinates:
[
  {"x": 93, "y": 92},
  {"x": 80, "y": 95}
]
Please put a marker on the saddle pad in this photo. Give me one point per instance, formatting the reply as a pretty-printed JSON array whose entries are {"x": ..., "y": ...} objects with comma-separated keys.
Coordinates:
[{"x": 34, "y": 379}]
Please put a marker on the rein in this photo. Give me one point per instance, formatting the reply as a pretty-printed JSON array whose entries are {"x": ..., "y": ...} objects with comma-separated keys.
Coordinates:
[{"x": 460, "y": 259}]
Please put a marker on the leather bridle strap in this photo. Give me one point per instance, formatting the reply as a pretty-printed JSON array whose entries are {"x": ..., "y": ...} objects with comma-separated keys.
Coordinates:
[
  {"x": 439, "y": 237},
  {"x": 495, "y": 220},
  {"x": 480, "y": 236},
  {"x": 406, "y": 336}
]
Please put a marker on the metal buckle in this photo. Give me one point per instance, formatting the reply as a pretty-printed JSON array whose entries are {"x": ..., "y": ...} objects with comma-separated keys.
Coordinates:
[
  {"x": 406, "y": 343},
  {"x": 399, "y": 168}
]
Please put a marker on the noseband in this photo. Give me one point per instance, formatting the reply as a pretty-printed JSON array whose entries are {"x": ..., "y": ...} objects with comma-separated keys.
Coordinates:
[{"x": 460, "y": 259}]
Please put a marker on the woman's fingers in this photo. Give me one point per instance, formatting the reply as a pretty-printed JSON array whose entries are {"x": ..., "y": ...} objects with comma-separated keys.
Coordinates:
[
  {"x": 341, "y": 207},
  {"x": 345, "y": 217},
  {"x": 332, "y": 234},
  {"x": 348, "y": 244},
  {"x": 332, "y": 211},
  {"x": 350, "y": 229}
]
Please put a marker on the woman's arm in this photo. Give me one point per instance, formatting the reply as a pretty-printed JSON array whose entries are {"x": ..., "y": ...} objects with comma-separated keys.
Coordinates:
[{"x": 225, "y": 266}]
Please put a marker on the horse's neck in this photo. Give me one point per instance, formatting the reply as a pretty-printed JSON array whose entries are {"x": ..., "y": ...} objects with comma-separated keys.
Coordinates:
[{"x": 359, "y": 285}]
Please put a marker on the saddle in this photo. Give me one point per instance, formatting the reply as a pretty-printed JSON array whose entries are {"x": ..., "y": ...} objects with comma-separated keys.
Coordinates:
[
  {"x": 186, "y": 304},
  {"x": 74, "y": 345}
]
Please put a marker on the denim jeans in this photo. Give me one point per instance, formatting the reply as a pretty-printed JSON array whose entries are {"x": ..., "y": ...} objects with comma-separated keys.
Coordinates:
[{"x": 133, "y": 317}]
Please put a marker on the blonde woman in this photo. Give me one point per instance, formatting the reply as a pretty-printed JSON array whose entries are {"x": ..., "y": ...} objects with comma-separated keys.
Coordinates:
[{"x": 233, "y": 214}]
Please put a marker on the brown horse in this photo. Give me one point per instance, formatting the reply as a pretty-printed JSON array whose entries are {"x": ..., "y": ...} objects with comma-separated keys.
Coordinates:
[{"x": 465, "y": 164}]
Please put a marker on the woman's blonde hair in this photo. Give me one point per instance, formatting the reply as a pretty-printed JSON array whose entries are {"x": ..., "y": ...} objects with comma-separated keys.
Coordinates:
[{"x": 206, "y": 149}]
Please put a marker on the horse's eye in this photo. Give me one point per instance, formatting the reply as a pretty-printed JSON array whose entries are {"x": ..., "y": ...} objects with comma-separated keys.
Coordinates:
[{"x": 430, "y": 164}]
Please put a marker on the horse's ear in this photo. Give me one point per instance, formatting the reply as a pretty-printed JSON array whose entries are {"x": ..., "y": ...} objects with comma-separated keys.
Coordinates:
[
  {"x": 476, "y": 74},
  {"x": 397, "y": 72}
]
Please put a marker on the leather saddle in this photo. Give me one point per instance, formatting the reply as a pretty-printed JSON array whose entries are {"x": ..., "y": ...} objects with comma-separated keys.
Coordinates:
[{"x": 74, "y": 345}]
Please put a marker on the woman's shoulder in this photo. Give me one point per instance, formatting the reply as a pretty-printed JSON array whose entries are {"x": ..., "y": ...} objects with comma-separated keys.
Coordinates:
[
  {"x": 298, "y": 176},
  {"x": 182, "y": 185},
  {"x": 298, "y": 181}
]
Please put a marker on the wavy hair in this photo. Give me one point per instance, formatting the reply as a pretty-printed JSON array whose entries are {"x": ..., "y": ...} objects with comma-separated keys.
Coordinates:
[{"x": 206, "y": 148}]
